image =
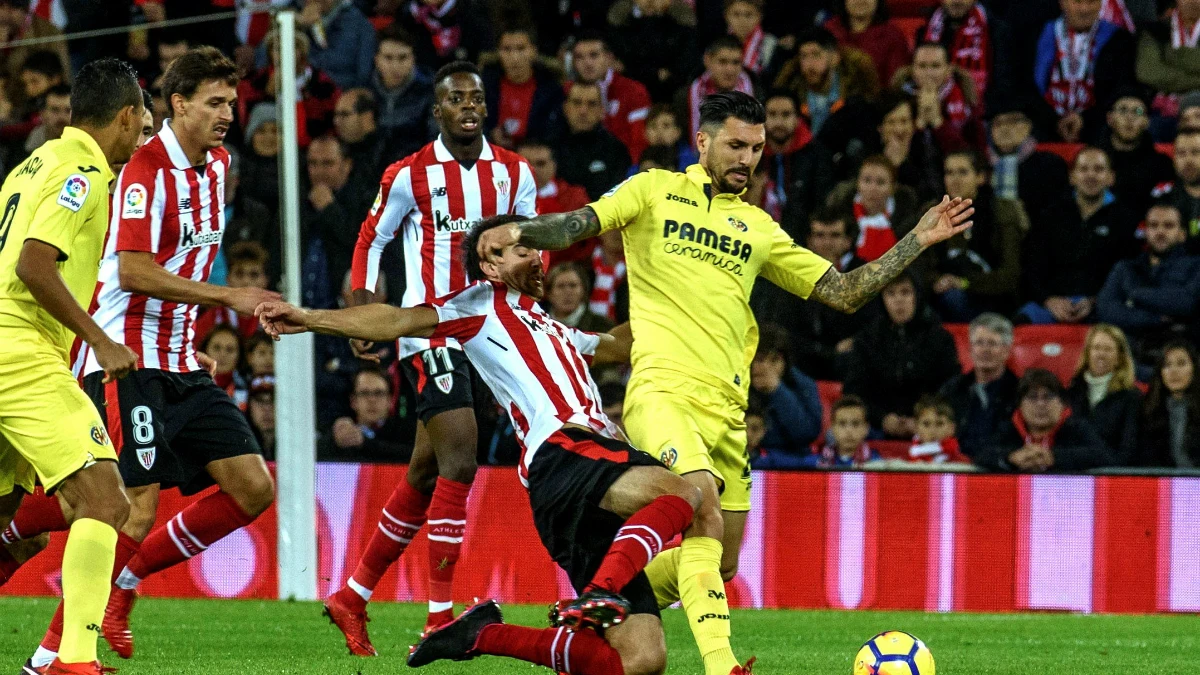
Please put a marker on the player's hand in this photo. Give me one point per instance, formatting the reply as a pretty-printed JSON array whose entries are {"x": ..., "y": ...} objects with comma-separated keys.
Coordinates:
[
  {"x": 245, "y": 300},
  {"x": 116, "y": 359},
  {"x": 1083, "y": 307},
  {"x": 947, "y": 282},
  {"x": 347, "y": 434},
  {"x": 497, "y": 239},
  {"x": 946, "y": 219},
  {"x": 280, "y": 318},
  {"x": 208, "y": 363},
  {"x": 362, "y": 350}
]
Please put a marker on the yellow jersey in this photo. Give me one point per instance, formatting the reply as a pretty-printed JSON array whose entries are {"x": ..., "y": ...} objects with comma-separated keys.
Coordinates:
[
  {"x": 692, "y": 258},
  {"x": 59, "y": 195}
]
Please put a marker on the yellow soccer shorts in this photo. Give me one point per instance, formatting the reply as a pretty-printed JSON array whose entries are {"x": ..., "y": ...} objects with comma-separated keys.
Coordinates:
[
  {"x": 690, "y": 427},
  {"x": 49, "y": 429}
]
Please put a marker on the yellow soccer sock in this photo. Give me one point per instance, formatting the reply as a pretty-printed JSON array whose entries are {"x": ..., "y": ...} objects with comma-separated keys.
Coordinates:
[
  {"x": 703, "y": 595},
  {"x": 86, "y": 577},
  {"x": 663, "y": 572}
]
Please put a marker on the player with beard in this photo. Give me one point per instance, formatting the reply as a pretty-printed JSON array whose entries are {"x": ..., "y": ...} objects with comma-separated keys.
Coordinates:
[
  {"x": 693, "y": 250},
  {"x": 431, "y": 198},
  {"x": 172, "y": 425},
  {"x": 602, "y": 508}
]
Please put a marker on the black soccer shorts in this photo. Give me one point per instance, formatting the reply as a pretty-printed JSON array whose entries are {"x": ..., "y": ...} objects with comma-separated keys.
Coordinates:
[{"x": 441, "y": 378}]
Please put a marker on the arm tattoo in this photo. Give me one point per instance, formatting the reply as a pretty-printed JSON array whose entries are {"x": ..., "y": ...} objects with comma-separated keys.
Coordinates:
[
  {"x": 557, "y": 231},
  {"x": 850, "y": 291}
]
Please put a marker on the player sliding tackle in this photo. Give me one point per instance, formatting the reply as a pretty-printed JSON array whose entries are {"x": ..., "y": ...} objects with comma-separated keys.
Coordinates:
[
  {"x": 693, "y": 250},
  {"x": 602, "y": 508}
]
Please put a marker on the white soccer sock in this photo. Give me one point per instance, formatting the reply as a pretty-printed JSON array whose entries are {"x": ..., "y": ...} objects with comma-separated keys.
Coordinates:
[
  {"x": 363, "y": 591},
  {"x": 435, "y": 607},
  {"x": 127, "y": 580},
  {"x": 43, "y": 657}
]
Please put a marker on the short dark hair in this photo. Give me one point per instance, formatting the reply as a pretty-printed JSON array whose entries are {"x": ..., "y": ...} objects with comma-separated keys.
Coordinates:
[
  {"x": 781, "y": 93},
  {"x": 46, "y": 63},
  {"x": 147, "y": 100},
  {"x": 470, "y": 243},
  {"x": 662, "y": 155},
  {"x": 773, "y": 339},
  {"x": 523, "y": 28},
  {"x": 1091, "y": 148},
  {"x": 591, "y": 35},
  {"x": 1187, "y": 131},
  {"x": 394, "y": 33},
  {"x": 454, "y": 68},
  {"x": 716, "y": 108},
  {"x": 924, "y": 44},
  {"x": 58, "y": 90},
  {"x": 343, "y": 149},
  {"x": 1039, "y": 378},
  {"x": 611, "y": 393},
  {"x": 892, "y": 99},
  {"x": 934, "y": 403},
  {"x": 197, "y": 65},
  {"x": 221, "y": 328},
  {"x": 247, "y": 252},
  {"x": 364, "y": 100},
  {"x": 371, "y": 370},
  {"x": 847, "y": 402},
  {"x": 533, "y": 143},
  {"x": 818, "y": 35},
  {"x": 976, "y": 158},
  {"x": 723, "y": 42},
  {"x": 16, "y": 4},
  {"x": 102, "y": 90}
]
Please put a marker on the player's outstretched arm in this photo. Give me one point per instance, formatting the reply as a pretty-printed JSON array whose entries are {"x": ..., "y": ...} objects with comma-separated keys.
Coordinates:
[
  {"x": 139, "y": 273},
  {"x": 849, "y": 291},
  {"x": 373, "y": 322},
  {"x": 552, "y": 232},
  {"x": 614, "y": 346},
  {"x": 37, "y": 268}
]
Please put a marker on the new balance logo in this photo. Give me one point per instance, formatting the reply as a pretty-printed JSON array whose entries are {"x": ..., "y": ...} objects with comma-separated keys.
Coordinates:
[
  {"x": 185, "y": 203},
  {"x": 438, "y": 192}
]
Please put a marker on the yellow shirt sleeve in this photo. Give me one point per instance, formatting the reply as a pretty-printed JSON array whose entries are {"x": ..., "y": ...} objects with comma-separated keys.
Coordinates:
[
  {"x": 792, "y": 267},
  {"x": 63, "y": 207},
  {"x": 621, "y": 205}
]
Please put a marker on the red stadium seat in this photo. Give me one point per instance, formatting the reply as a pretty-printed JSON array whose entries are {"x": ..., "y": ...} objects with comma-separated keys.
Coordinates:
[
  {"x": 1167, "y": 149},
  {"x": 1055, "y": 348},
  {"x": 891, "y": 449},
  {"x": 962, "y": 342},
  {"x": 1065, "y": 150},
  {"x": 909, "y": 26},
  {"x": 829, "y": 392}
]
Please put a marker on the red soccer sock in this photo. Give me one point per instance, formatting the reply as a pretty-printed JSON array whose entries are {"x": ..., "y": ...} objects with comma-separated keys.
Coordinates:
[
  {"x": 189, "y": 533},
  {"x": 403, "y": 515},
  {"x": 580, "y": 653},
  {"x": 37, "y": 514},
  {"x": 640, "y": 539},
  {"x": 447, "y": 523},
  {"x": 127, "y": 546}
]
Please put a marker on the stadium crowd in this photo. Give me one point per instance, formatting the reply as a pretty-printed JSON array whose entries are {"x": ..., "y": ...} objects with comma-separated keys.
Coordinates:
[{"x": 1074, "y": 125}]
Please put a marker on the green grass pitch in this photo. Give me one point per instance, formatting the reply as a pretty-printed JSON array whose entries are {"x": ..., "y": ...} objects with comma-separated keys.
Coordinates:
[{"x": 227, "y": 637}]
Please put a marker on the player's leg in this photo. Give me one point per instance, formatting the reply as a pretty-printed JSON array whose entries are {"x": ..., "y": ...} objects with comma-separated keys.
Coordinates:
[
  {"x": 39, "y": 513},
  {"x": 401, "y": 518},
  {"x": 454, "y": 437},
  {"x": 731, "y": 542},
  {"x": 9, "y": 504}
]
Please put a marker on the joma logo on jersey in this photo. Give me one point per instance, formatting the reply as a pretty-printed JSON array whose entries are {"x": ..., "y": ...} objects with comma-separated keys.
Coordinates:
[
  {"x": 191, "y": 237},
  {"x": 706, "y": 237},
  {"x": 442, "y": 223},
  {"x": 681, "y": 200}
]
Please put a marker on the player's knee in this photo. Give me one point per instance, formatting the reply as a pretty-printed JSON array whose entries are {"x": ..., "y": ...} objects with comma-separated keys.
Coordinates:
[
  {"x": 457, "y": 461},
  {"x": 256, "y": 494},
  {"x": 111, "y": 508},
  {"x": 729, "y": 570},
  {"x": 687, "y": 492},
  {"x": 646, "y": 660},
  {"x": 139, "y": 523},
  {"x": 422, "y": 477},
  {"x": 707, "y": 521}
]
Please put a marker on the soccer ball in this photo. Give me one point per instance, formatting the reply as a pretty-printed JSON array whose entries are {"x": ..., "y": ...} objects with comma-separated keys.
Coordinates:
[{"x": 894, "y": 652}]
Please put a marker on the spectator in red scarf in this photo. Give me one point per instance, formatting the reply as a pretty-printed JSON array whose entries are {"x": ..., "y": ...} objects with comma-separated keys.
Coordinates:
[
  {"x": 610, "y": 292},
  {"x": 849, "y": 429},
  {"x": 863, "y": 24},
  {"x": 1168, "y": 57},
  {"x": 722, "y": 72},
  {"x": 1043, "y": 435},
  {"x": 1080, "y": 63},
  {"x": 555, "y": 195},
  {"x": 247, "y": 263},
  {"x": 318, "y": 93},
  {"x": 224, "y": 346},
  {"x": 744, "y": 20},
  {"x": 446, "y": 30},
  {"x": 626, "y": 101},
  {"x": 914, "y": 152},
  {"x": 974, "y": 38},
  {"x": 524, "y": 97},
  {"x": 948, "y": 106},
  {"x": 260, "y": 411},
  {"x": 936, "y": 439},
  {"x": 799, "y": 170},
  {"x": 883, "y": 210}
]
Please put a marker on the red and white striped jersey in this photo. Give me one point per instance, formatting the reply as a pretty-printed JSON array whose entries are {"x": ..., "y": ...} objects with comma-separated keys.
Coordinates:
[
  {"x": 536, "y": 367},
  {"x": 436, "y": 200},
  {"x": 164, "y": 206}
]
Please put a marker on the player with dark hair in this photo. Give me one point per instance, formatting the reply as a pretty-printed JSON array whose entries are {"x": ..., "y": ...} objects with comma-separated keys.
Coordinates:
[
  {"x": 51, "y": 235},
  {"x": 693, "y": 250},
  {"x": 431, "y": 198},
  {"x": 174, "y": 427},
  {"x": 602, "y": 508}
]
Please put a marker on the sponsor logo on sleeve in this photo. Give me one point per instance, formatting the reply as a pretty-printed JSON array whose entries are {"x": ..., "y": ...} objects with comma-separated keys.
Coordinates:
[
  {"x": 74, "y": 192},
  {"x": 378, "y": 202},
  {"x": 133, "y": 204},
  {"x": 616, "y": 187}
]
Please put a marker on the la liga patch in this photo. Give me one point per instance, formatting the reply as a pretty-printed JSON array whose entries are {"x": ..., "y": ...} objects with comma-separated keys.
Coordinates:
[
  {"x": 74, "y": 191},
  {"x": 133, "y": 202}
]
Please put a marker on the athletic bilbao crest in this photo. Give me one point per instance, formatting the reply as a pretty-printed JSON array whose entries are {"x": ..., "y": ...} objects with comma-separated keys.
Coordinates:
[
  {"x": 502, "y": 188},
  {"x": 146, "y": 457},
  {"x": 444, "y": 382}
]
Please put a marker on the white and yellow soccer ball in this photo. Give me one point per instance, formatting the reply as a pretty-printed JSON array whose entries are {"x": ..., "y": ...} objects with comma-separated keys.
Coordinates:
[{"x": 894, "y": 652}]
